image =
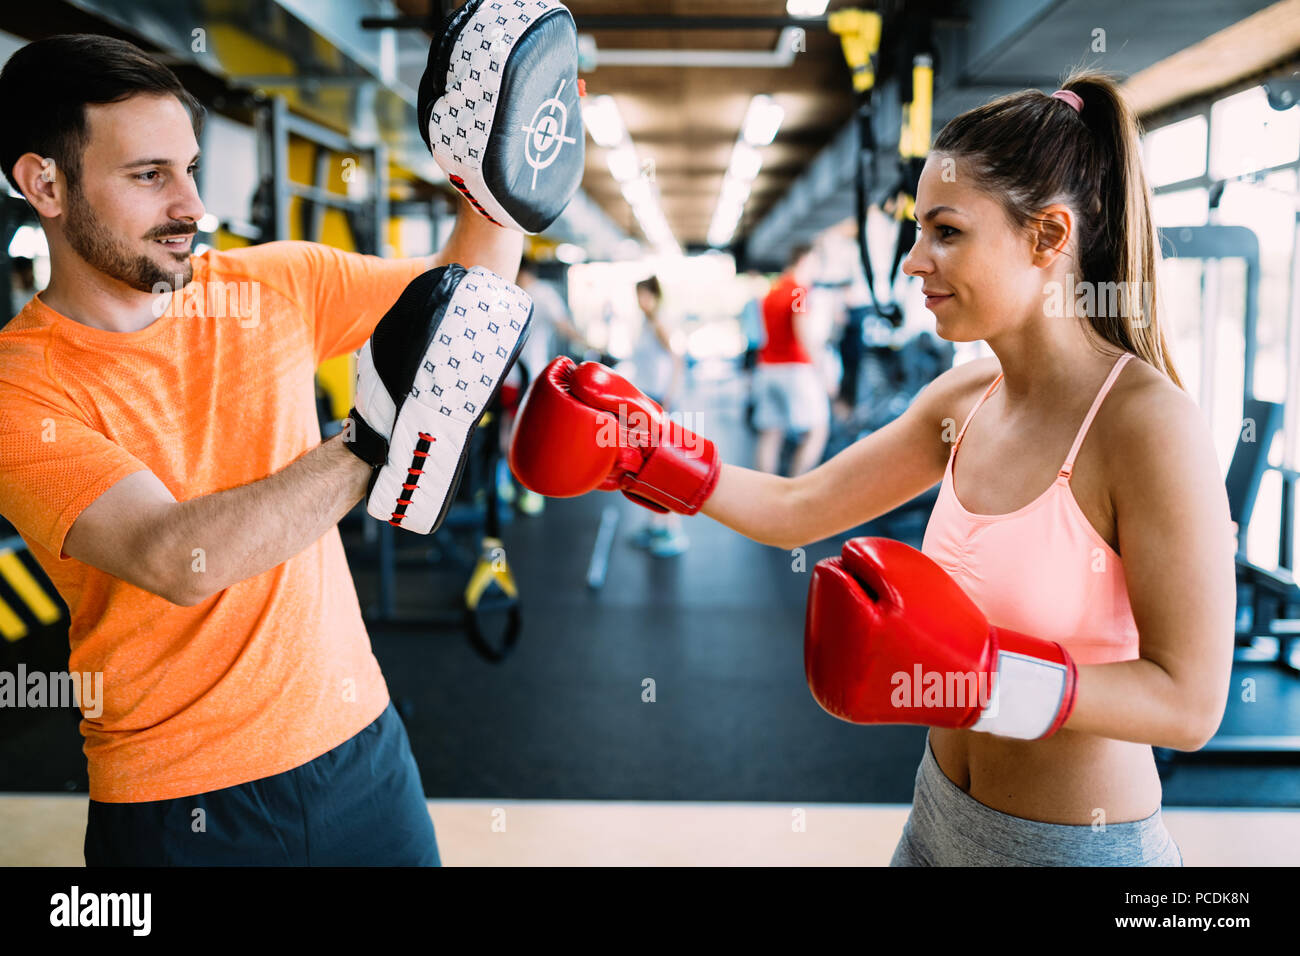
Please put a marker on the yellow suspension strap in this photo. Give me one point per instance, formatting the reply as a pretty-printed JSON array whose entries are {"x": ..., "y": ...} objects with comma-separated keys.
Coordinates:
[
  {"x": 491, "y": 577},
  {"x": 492, "y": 570},
  {"x": 859, "y": 33},
  {"x": 913, "y": 148}
]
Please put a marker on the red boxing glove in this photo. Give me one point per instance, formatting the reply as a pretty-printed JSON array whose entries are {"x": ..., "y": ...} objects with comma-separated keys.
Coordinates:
[
  {"x": 582, "y": 428},
  {"x": 890, "y": 638}
]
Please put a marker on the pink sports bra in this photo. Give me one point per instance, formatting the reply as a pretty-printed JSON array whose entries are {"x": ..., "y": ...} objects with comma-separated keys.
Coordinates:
[{"x": 1043, "y": 569}]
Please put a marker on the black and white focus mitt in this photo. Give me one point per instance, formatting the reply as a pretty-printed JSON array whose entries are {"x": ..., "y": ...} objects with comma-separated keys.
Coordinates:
[
  {"x": 498, "y": 107},
  {"x": 433, "y": 364}
]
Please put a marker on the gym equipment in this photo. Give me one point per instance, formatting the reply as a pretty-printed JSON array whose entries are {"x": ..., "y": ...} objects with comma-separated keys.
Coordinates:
[
  {"x": 912, "y": 58},
  {"x": 889, "y": 378},
  {"x": 498, "y": 108},
  {"x": 600, "y": 550},
  {"x": 424, "y": 379},
  {"x": 1268, "y": 599},
  {"x": 468, "y": 542}
]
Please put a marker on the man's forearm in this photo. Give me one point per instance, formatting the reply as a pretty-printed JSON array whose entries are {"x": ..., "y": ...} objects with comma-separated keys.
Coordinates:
[
  {"x": 476, "y": 242},
  {"x": 230, "y": 536}
]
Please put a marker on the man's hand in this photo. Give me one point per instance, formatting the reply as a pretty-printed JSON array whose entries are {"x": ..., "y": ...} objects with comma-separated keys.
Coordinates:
[{"x": 435, "y": 361}]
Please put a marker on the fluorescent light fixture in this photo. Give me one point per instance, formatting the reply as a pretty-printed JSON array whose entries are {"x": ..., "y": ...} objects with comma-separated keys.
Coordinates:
[
  {"x": 734, "y": 192},
  {"x": 625, "y": 167},
  {"x": 745, "y": 161},
  {"x": 725, "y": 219},
  {"x": 622, "y": 163},
  {"x": 568, "y": 253},
  {"x": 719, "y": 235},
  {"x": 637, "y": 192},
  {"x": 653, "y": 223},
  {"x": 805, "y": 8},
  {"x": 727, "y": 215},
  {"x": 762, "y": 120},
  {"x": 603, "y": 122}
]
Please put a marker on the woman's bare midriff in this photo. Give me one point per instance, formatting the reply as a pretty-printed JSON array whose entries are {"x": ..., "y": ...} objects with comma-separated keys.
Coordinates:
[{"x": 1069, "y": 778}]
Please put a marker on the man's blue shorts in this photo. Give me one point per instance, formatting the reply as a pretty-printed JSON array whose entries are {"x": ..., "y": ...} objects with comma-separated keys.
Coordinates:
[{"x": 360, "y": 804}]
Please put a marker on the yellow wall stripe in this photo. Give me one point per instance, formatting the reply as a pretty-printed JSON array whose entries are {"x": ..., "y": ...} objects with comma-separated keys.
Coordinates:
[
  {"x": 12, "y": 627},
  {"x": 32, "y": 594}
]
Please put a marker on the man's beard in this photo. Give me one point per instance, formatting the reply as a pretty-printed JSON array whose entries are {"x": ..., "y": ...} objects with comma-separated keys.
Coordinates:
[{"x": 101, "y": 249}]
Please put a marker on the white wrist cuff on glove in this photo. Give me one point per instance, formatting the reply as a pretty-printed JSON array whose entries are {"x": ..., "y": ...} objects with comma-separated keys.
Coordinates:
[{"x": 1026, "y": 697}]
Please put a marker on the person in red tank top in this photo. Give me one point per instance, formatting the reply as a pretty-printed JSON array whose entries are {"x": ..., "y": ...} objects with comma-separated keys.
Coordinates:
[
  {"x": 786, "y": 295},
  {"x": 789, "y": 393}
]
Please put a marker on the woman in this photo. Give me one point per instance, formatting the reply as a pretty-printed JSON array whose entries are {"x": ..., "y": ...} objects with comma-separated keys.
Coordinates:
[
  {"x": 1081, "y": 502},
  {"x": 659, "y": 369}
]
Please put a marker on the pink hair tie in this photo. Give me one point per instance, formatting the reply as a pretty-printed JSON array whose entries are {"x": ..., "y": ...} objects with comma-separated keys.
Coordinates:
[{"x": 1074, "y": 99}]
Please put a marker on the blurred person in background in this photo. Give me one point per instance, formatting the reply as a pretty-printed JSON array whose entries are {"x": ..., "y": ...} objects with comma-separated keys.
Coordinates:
[
  {"x": 660, "y": 372},
  {"x": 790, "y": 390}
]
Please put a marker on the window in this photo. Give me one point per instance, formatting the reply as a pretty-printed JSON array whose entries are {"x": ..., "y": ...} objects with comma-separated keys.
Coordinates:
[
  {"x": 1268, "y": 209},
  {"x": 1185, "y": 207},
  {"x": 1175, "y": 152},
  {"x": 1247, "y": 134}
]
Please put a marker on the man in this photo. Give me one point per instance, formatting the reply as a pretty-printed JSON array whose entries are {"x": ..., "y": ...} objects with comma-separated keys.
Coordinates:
[
  {"x": 789, "y": 393},
  {"x": 160, "y": 454}
]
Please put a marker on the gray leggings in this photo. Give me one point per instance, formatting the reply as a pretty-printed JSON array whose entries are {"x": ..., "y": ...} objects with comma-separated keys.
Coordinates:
[{"x": 949, "y": 827}]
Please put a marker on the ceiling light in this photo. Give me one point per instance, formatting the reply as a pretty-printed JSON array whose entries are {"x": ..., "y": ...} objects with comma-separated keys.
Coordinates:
[
  {"x": 636, "y": 192},
  {"x": 762, "y": 120},
  {"x": 734, "y": 192},
  {"x": 745, "y": 161},
  {"x": 805, "y": 8},
  {"x": 603, "y": 122},
  {"x": 719, "y": 235},
  {"x": 727, "y": 216},
  {"x": 622, "y": 163}
]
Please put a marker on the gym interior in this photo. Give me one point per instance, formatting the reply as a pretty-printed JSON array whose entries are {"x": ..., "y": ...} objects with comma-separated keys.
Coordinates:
[{"x": 586, "y": 681}]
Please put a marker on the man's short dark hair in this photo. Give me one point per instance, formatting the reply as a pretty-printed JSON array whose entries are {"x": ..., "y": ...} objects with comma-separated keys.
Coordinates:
[
  {"x": 650, "y": 285},
  {"x": 46, "y": 85}
]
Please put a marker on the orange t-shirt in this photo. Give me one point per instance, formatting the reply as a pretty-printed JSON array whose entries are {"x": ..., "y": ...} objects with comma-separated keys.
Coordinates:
[{"x": 273, "y": 671}]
